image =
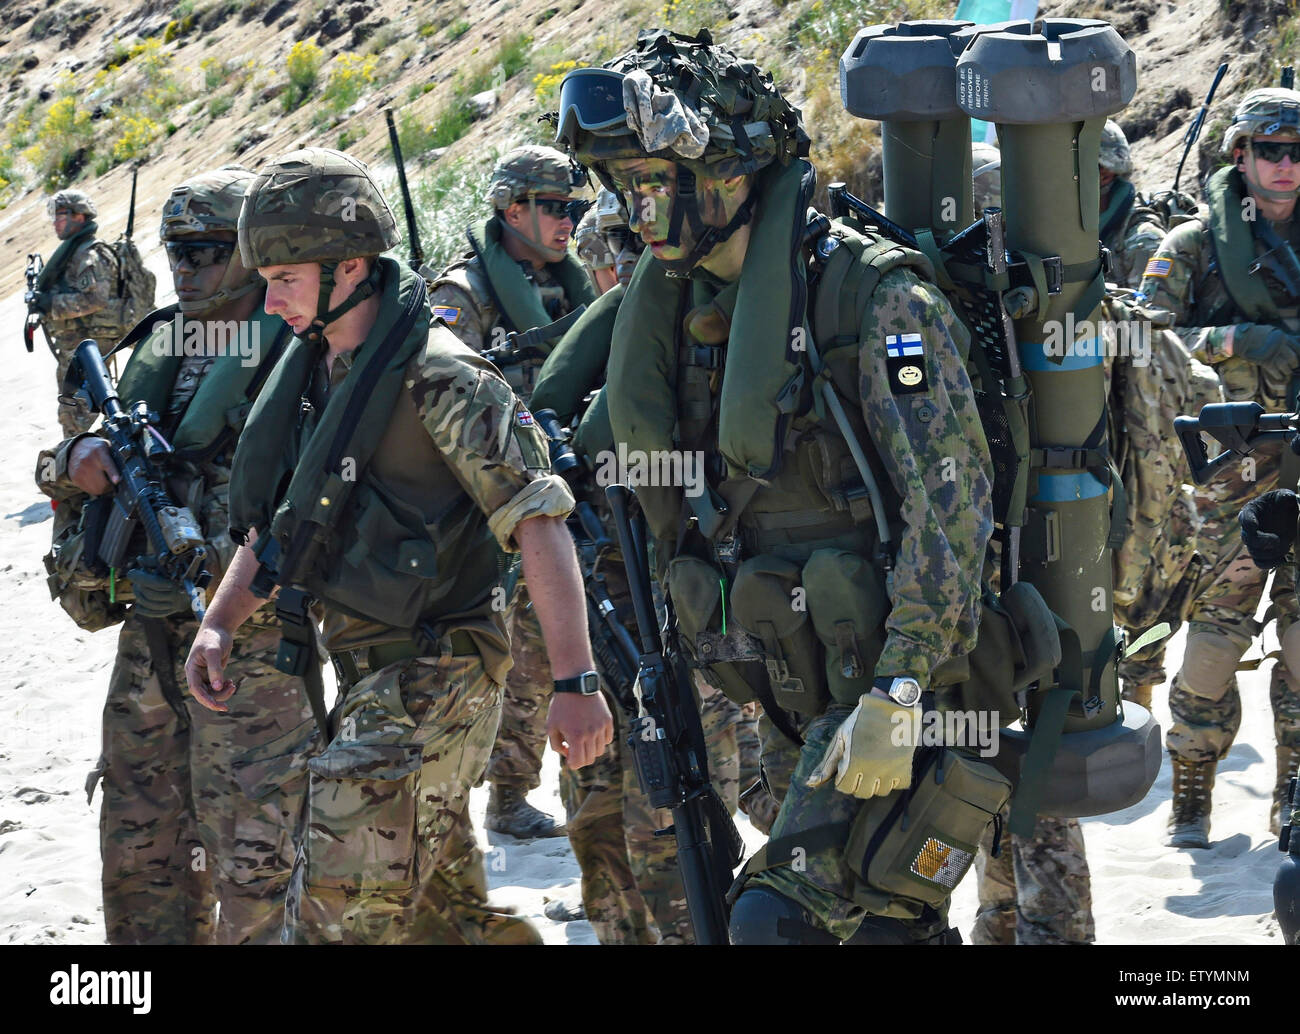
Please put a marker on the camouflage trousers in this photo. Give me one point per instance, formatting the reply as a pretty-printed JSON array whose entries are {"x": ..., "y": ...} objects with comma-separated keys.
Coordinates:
[
  {"x": 517, "y": 756},
  {"x": 186, "y": 819},
  {"x": 1037, "y": 890},
  {"x": 388, "y": 854},
  {"x": 631, "y": 889},
  {"x": 1205, "y": 703}
]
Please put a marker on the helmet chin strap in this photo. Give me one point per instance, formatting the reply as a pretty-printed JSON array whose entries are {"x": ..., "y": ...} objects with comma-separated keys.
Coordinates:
[
  {"x": 686, "y": 206},
  {"x": 534, "y": 242},
  {"x": 1251, "y": 172},
  {"x": 315, "y": 334}
]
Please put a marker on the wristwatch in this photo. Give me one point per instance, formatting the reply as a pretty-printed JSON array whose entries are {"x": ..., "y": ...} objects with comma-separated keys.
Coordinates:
[
  {"x": 904, "y": 690},
  {"x": 588, "y": 684}
]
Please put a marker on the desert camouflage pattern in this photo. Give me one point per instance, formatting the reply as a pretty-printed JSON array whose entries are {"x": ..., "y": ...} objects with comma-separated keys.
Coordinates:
[
  {"x": 82, "y": 305},
  {"x": 531, "y": 170},
  {"x": 590, "y": 244},
  {"x": 1133, "y": 244},
  {"x": 205, "y": 203},
  {"x": 75, "y": 201},
  {"x": 1229, "y": 591},
  {"x": 521, "y": 740},
  {"x": 463, "y": 286},
  {"x": 1114, "y": 154},
  {"x": 1037, "y": 890},
  {"x": 351, "y": 217},
  {"x": 387, "y": 854},
  {"x": 1263, "y": 112}
]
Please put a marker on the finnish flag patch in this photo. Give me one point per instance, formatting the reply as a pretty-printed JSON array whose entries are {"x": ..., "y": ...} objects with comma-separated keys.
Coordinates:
[{"x": 905, "y": 359}]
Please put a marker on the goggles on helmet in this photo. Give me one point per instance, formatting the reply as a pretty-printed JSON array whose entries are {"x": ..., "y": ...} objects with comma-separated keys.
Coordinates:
[{"x": 590, "y": 99}]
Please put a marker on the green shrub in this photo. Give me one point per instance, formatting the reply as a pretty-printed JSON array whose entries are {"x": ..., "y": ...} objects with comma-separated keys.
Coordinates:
[
  {"x": 456, "y": 30},
  {"x": 303, "y": 65},
  {"x": 349, "y": 76}
]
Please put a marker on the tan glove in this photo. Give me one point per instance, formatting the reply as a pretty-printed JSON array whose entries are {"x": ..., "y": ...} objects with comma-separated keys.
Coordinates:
[{"x": 864, "y": 756}]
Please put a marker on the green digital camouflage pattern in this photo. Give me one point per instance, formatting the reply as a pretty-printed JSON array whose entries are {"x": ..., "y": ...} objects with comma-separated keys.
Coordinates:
[
  {"x": 1228, "y": 595},
  {"x": 1037, "y": 889},
  {"x": 350, "y": 216},
  {"x": 387, "y": 854}
]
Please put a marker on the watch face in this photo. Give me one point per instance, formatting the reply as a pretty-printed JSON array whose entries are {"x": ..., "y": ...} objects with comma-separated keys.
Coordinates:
[
  {"x": 590, "y": 683},
  {"x": 906, "y": 692}
]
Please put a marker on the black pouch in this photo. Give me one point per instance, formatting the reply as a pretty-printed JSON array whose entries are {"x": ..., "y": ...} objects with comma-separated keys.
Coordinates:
[{"x": 919, "y": 848}]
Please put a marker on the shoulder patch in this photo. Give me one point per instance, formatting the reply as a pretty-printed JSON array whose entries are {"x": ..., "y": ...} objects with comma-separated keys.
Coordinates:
[
  {"x": 905, "y": 359},
  {"x": 449, "y": 314},
  {"x": 1158, "y": 267},
  {"x": 524, "y": 417}
]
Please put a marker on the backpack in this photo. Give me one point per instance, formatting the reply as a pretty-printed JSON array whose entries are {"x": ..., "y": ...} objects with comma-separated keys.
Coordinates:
[{"x": 135, "y": 283}]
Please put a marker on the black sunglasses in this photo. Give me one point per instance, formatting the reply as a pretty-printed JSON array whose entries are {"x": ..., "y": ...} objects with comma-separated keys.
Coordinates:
[
  {"x": 559, "y": 208},
  {"x": 198, "y": 253},
  {"x": 1274, "y": 150}
]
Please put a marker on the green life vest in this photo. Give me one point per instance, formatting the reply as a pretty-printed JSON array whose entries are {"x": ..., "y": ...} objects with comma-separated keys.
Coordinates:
[
  {"x": 221, "y": 404},
  {"x": 53, "y": 269},
  {"x": 577, "y": 364},
  {"x": 1234, "y": 247},
  {"x": 366, "y": 549},
  {"x": 514, "y": 295}
]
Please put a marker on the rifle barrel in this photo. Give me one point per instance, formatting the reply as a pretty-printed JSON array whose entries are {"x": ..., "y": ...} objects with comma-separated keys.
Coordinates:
[{"x": 417, "y": 253}]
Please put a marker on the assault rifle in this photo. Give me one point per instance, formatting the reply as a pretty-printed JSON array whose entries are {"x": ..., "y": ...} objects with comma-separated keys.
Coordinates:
[
  {"x": 1238, "y": 426},
  {"x": 34, "y": 266},
  {"x": 175, "y": 541},
  {"x": 412, "y": 231},
  {"x": 612, "y": 645},
  {"x": 668, "y": 744}
]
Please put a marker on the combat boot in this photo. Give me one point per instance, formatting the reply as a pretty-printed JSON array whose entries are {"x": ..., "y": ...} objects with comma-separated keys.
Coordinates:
[
  {"x": 1189, "y": 821},
  {"x": 1286, "y": 770},
  {"x": 508, "y": 811}
]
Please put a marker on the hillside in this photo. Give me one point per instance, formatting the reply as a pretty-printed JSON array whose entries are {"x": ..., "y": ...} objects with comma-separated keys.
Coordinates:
[{"x": 90, "y": 88}]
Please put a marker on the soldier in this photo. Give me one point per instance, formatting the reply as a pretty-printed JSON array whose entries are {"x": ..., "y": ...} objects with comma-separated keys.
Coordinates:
[
  {"x": 75, "y": 292},
  {"x": 1128, "y": 229},
  {"x": 519, "y": 277},
  {"x": 1232, "y": 305},
  {"x": 195, "y": 803},
  {"x": 708, "y": 155},
  {"x": 591, "y": 240},
  {"x": 405, "y": 456}
]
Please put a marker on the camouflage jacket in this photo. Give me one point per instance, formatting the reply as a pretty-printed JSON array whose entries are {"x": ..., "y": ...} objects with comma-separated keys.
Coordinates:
[
  {"x": 1133, "y": 244},
  {"x": 83, "y": 301}
]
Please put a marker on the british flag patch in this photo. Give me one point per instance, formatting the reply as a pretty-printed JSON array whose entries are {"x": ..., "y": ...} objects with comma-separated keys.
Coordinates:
[
  {"x": 1158, "y": 267},
  {"x": 525, "y": 418},
  {"x": 449, "y": 314}
]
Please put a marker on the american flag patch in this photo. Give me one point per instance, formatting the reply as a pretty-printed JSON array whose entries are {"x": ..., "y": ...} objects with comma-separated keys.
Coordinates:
[
  {"x": 449, "y": 314},
  {"x": 525, "y": 418},
  {"x": 899, "y": 345},
  {"x": 1158, "y": 267}
]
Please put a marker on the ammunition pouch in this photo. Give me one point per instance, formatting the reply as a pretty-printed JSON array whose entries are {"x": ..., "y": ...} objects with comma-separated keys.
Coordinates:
[
  {"x": 917, "y": 844},
  {"x": 93, "y": 600},
  {"x": 696, "y": 590},
  {"x": 765, "y": 603},
  {"x": 848, "y": 605}
]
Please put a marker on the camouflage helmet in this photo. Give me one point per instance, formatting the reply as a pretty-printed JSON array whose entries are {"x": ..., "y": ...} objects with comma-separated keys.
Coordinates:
[
  {"x": 683, "y": 98},
  {"x": 1263, "y": 112},
  {"x": 609, "y": 212},
  {"x": 75, "y": 201},
  {"x": 986, "y": 174},
  {"x": 531, "y": 170},
  {"x": 314, "y": 205},
  {"x": 1114, "y": 154},
  {"x": 590, "y": 244},
  {"x": 205, "y": 203}
]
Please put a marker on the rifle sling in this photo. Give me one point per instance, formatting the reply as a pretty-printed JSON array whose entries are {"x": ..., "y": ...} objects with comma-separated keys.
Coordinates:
[{"x": 164, "y": 666}]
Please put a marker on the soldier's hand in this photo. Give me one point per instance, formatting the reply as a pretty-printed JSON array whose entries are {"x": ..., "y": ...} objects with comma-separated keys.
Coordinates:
[
  {"x": 863, "y": 757},
  {"x": 1268, "y": 527},
  {"x": 206, "y": 665},
  {"x": 38, "y": 301},
  {"x": 579, "y": 727},
  {"x": 1275, "y": 350},
  {"x": 91, "y": 467}
]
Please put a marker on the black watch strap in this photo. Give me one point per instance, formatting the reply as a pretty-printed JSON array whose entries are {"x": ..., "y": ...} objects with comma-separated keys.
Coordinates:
[{"x": 588, "y": 684}]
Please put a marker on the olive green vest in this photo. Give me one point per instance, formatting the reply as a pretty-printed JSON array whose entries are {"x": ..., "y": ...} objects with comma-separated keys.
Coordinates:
[
  {"x": 224, "y": 398},
  {"x": 1234, "y": 247},
  {"x": 369, "y": 545},
  {"x": 787, "y": 485}
]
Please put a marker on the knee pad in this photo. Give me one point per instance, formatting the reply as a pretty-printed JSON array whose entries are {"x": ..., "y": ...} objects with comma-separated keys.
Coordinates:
[
  {"x": 762, "y": 916},
  {"x": 1210, "y": 664}
]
